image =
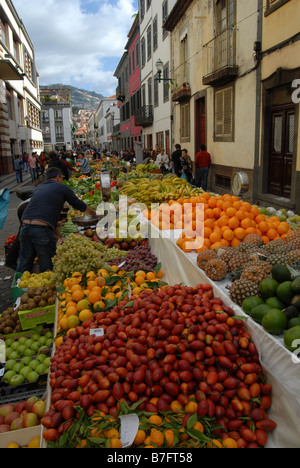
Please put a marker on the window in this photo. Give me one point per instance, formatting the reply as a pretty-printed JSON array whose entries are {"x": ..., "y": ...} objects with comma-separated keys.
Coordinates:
[
  {"x": 137, "y": 55},
  {"x": 143, "y": 51},
  {"x": 165, "y": 13},
  {"x": 160, "y": 139},
  {"x": 156, "y": 93},
  {"x": 224, "y": 114},
  {"x": 142, "y": 9},
  {"x": 184, "y": 57},
  {"x": 148, "y": 4},
  {"x": 226, "y": 17},
  {"x": 144, "y": 95},
  {"x": 149, "y": 43},
  {"x": 150, "y": 101},
  {"x": 9, "y": 104},
  {"x": 166, "y": 85},
  {"x": 273, "y": 5},
  {"x": 33, "y": 115},
  {"x": 28, "y": 65},
  {"x": 185, "y": 123},
  {"x": 133, "y": 60},
  {"x": 3, "y": 36},
  {"x": 155, "y": 37}
]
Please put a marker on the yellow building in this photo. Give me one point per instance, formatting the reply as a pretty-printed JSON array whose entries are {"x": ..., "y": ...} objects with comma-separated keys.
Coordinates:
[
  {"x": 279, "y": 161},
  {"x": 215, "y": 67}
]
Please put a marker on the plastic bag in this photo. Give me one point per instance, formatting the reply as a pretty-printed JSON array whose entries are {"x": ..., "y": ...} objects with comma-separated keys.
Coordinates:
[{"x": 4, "y": 203}]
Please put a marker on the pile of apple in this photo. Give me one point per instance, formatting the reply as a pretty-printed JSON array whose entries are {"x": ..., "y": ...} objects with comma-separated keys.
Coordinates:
[
  {"x": 15, "y": 416},
  {"x": 170, "y": 343}
]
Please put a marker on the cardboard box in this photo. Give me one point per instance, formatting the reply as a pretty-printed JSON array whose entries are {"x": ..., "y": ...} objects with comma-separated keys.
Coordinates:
[
  {"x": 21, "y": 437},
  {"x": 41, "y": 315}
]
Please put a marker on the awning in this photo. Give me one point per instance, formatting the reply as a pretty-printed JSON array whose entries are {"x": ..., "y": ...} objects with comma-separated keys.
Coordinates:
[{"x": 8, "y": 71}]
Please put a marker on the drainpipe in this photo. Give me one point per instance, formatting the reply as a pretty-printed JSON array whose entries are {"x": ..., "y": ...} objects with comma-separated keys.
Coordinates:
[{"x": 258, "y": 105}]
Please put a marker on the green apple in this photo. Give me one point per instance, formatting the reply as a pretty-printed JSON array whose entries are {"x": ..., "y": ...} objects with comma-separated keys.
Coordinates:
[
  {"x": 33, "y": 364},
  {"x": 29, "y": 352},
  {"x": 35, "y": 346},
  {"x": 47, "y": 361},
  {"x": 18, "y": 367},
  {"x": 9, "y": 365},
  {"x": 28, "y": 343},
  {"x": 14, "y": 345},
  {"x": 26, "y": 360},
  {"x": 49, "y": 342},
  {"x": 8, "y": 376},
  {"x": 25, "y": 371},
  {"x": 22, "y": 340},
  {"x": 42, "y": 369},
  {"x": 14, "y": 355},
  {"x": 9, "y": 342},
  {"x": 17, "y": 380},
  {"x": 35, "y": 337},
  {"x": 42, "y": 340},
  {"x": 41, "y": 357},
  {"x": 32, "y": 376},
  {"x": 49, "y": 334},
  {"x": 21, "y": 349}
]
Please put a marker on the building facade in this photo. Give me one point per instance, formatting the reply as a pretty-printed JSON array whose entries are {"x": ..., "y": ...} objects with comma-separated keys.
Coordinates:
[
  {"x": 215, "y": 69},
  {"x": 103, "y": 134},
  {"x": 20, "y": 107},
  {"x": 279, "y": 161},
  {"x": 57, "y": 119},
  {"x": 155, "y": 114}
]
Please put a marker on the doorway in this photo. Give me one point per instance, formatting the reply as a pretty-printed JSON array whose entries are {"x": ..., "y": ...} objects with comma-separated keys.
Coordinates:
[
  {"x": 281, "y": 151},
  {"x": 200, "y": 123}
]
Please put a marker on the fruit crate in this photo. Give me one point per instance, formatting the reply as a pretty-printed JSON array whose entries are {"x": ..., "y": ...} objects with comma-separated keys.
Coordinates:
[
  {"x": 26, "y": 389},
  {"x": 21, "y": 437},
  {"x": 32, "y": 318}
]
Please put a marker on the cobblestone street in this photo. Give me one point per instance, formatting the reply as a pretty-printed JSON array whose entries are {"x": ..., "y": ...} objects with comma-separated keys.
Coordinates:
[{"x": 11, "y": 226}]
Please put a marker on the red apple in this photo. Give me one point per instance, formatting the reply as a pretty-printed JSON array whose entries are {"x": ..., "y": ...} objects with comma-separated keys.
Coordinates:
[
  {"x": 39, "y": 408},
  {"x": 4, "y": 428},
  {"x": 20, "y": 407},
  {"x": 30, "y": 402},
  {"x": 9, "y": 418},
  {"x": 16, "y": 424},
  {"x": 7, "y": 409},
  {"x": 30, "y": 420}
]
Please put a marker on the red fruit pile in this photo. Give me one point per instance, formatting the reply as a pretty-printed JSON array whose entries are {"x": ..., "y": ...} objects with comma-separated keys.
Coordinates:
[{"x": 170, "y": 344}]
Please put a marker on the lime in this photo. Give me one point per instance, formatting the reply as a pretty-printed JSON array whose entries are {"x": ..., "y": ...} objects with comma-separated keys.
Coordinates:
[
  {"x": 268, "y": 287},
  {"x": 285, "y": 293},
  {"x": 8, "y": 376},
  {"x": 250, "y": 302},
  {"x": 258, "y": 313},
  {"x": 274, "y": 321},
  {"x": 275, "y": 303},
  {"x": 292, "y": 338},
  {"x": 293, "y": 322}
]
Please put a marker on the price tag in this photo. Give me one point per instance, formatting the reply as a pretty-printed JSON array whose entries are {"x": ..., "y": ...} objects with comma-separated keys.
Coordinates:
[
  {"x": 129, "y": 429},
  {"x": 121, "y": 264},
  {"x": 97, "y": 331}
]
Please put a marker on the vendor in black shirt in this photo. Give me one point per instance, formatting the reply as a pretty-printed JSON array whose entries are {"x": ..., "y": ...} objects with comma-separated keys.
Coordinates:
[{"x": 39, "y": 221}]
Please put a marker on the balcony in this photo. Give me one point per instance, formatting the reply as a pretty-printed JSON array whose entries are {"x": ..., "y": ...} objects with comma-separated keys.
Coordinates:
[
  {"x": 144, "y": 116},
  {"x": 59, "y": 137},
  {"x": 220, "y": 59},
  {"x": 116, "y": 130},
  {"x": 182, "y": 93}
]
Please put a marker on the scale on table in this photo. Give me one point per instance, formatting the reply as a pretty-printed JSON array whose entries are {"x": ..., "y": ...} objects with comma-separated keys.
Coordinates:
[{"x": 240, "y": 183}]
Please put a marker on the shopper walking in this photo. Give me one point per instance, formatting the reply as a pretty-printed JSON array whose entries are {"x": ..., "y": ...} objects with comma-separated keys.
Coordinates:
[
  {"x": 176, "y": 158},
  {"x": 39, "y": 221},
  {"x": 32, "y": 167},
  {"x": 25, "y": 161},
  {"x": 162, "y": 161},
  {"x": 187, "y": 166},
  {"x": 203, "y": 164},
  {"x": 18, "y": 166}
]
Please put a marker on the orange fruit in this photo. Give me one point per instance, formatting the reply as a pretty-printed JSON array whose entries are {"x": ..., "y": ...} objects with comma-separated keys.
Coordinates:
[
  {"x": 78, "y": 295},
  {"x": 263, "y": 226},
  {"x": 83, "y": 304},
  {"x": 228, "y": 234},
  {"x": 73, "y": 321},
  {"x": 272, "y": 234},
  {"x": 215, "y": 443},
  {"x": 240, "y": 233},
  {"x": 283, "y": 228},
  {"x": 115, "y": 443},
  {"x": 157, "y": 438},
  {"x": 191, "y": 407},
  {"x": 169, "y": 437},
  {"x": 156, "y": 420},
  {"x": 233, "y": 223},
  {"x": 199, "y": 427},
  {"x": 71, "y": 311},
  {"x": 111, "y": 434},
  {"x": 215, "y": 237},
  {"x": 235, "y": 242},
  {"x": 85, "y": 314},
  {"x": 176, "y": 407},
  {"x": 140, "y": 438},
  {"x": 99, "y": 306},
  {"x": 229, "y": 443}
]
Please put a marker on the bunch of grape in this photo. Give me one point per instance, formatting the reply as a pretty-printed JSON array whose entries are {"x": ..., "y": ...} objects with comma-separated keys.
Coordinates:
[
  {"x": 80, "y": 254},
  {"x": 140, "y": 258}
]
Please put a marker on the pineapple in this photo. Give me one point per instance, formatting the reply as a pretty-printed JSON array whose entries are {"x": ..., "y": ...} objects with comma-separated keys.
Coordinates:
[
  {"x": 277, "y": 258},
  {"x": 216, "y": 269},
  {"x": 256, "y": 272},
  {"x": 204, "y": 256},
  {"x": 239, "y": 259},
  {"x": 295, "y": 243},
  {"x": 241, "y": 289},
  {"x": 254, "y": 239},
  {"x": 293, "y": 259},
  {"x": 273, "y": 245},
  {"x": 226, "y": 253},
  {"x": 292, "y": 235}
]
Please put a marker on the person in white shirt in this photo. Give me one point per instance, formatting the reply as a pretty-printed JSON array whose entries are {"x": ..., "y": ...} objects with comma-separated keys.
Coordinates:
[{"x": 162, "y": 161}]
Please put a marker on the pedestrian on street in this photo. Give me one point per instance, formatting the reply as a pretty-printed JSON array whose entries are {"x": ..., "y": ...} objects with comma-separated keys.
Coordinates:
[
  {"x": 176, "y": 158},
  {"x": 25, "y": 161},
  {"x": 18, "y": 166},
  {"x": 32, "y": 167},
  {"x": 84, "y": 165},
  {"x": 162, "y": 161},
  {"x": 39, "y": 230},
  {"x": 187, "y": 166},
  {"x": 55, "y": 161},
  {"x": 203, "y": 164}
]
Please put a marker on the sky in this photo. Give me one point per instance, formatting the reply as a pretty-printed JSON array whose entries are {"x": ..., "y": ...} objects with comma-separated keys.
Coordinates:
[{"x": 78, "y": 42}]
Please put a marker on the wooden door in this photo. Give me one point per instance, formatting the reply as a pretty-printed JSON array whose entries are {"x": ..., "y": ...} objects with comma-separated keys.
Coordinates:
[{"x": 281, "y": 151}]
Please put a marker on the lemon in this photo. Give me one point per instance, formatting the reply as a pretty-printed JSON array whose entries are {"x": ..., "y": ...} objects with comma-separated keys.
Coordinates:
[
  {"x": 73, "y": 321},
  {"x": 13, "y": 445},
  {"x": 35, "y": 443}
]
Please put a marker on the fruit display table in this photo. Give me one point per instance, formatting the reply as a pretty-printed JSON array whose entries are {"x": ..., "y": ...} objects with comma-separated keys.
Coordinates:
[{"x": 280, "y": 365}]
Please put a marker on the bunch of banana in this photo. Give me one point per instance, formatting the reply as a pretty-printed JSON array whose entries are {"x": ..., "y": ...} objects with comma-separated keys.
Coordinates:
[{"x": 159, "y": 191}]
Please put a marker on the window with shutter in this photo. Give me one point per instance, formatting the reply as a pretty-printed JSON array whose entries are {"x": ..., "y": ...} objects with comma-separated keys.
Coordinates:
[
  {"x": 185, "y": 123},
  {"x": 224, "y": 114}
]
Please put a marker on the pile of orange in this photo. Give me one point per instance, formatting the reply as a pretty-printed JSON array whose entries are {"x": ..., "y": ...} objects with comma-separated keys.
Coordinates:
[
  {"x": 227, "y": 220},
  {"x": 142, "y": 279}
]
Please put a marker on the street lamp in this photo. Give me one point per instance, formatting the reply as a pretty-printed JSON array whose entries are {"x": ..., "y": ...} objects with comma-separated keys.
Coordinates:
[{"x": 160, "y": 68}]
